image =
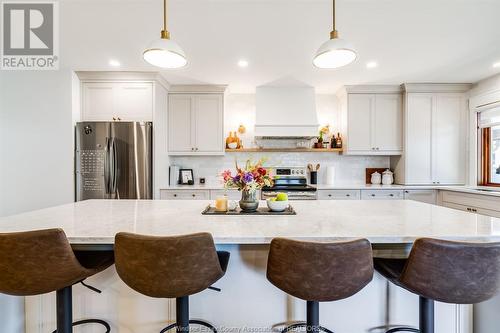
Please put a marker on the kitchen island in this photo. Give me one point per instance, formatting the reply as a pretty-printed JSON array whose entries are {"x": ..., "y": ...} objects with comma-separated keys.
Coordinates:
[{"x": 247, "y": 300}]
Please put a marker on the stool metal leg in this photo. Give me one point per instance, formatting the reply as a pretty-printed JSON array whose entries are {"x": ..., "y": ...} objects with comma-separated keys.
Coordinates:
[
  {"x": 426, "y": 315},
  {"x": 64, "y": 310},
  {"x": 182, "y": 314},
  {"x": 312, "y": 317}
]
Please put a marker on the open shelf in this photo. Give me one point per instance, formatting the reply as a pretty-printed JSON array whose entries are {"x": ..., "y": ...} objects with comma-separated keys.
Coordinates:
[{"x": 298, "y": 150}]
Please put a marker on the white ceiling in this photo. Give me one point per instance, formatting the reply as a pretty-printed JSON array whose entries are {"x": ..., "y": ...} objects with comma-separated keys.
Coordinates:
[{"x": 412, "y": 41}]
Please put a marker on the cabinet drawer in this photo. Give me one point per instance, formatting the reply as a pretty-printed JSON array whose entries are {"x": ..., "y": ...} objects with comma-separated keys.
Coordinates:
[
  {"x": 471, "y": 200},
  {"x": 381, "y": 194},
  {"x": 481, "y": 211},
  {"x": 231, "y": 194},
  {"x": 184, "y": 194},
  {"x": 338, "y": 194}
]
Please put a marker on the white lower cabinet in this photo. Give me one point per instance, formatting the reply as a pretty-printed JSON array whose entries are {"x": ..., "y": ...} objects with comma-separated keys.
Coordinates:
[
  {"x": 469, "y": 202},
  {"x": 184, "y": 194},
  {"x": 427, "y": 196},
  {"x": 339, "y": 194},
  {"x": 382, "y": 194}
]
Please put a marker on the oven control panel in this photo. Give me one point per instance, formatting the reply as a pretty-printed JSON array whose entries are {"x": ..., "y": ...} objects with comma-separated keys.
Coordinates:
[{"x": 290, "y": 172}]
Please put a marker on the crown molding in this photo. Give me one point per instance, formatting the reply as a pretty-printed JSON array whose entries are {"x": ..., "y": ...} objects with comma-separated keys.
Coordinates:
[{"x": 436, "y": 87}]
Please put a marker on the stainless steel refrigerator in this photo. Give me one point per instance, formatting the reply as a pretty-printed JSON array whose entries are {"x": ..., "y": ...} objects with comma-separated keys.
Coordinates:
[{"x": 113, "y": 160}]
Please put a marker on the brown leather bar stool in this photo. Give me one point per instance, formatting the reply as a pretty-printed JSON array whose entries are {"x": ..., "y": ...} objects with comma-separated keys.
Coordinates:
[
  {"x": 42, "y": 261},
  {"x": 444, "y": 271},
  {"x": 319, "y": 272},
  {"x": 170, "y": 267}
]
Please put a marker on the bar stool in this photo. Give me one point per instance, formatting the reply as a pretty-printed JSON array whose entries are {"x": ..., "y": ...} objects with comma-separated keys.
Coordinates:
[
  {"x": 170, "y": 267},
  {"x": 42, "y": 261},
  {"x": 319, "y": 272},
  {"x": 444, "y": 271}
]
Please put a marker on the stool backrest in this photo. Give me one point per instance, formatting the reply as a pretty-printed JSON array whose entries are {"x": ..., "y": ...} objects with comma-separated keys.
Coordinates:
[
  {"x": 320, "y": 271},
  {"x": 453, "y": 272},
  {"x": 167, "y": 267},
  {"x": 37, "y": 262}
]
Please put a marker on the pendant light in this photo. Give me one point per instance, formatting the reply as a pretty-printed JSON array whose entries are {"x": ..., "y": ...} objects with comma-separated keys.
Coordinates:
[
  {"x": 164, "y": 52},
  {"x": 335, "y": 52}
]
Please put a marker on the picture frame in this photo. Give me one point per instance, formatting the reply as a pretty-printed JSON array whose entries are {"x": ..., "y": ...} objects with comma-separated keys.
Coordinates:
[{"x": 186, "y": 177}]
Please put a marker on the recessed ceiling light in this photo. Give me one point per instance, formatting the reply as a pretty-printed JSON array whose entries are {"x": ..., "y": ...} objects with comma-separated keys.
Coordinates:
[
  {"x": 114, "y": 63},
  {"x": 371, "y": 64},
  {"x": 243, "y": 63},
  {"x": 496, "y": 64}
]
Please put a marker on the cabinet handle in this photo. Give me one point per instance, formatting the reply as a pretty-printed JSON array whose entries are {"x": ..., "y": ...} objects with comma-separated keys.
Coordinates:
[
  {"x": 114, "y": 119},
  {"x": 193, "y": 195},
  {"x": 175, "y": 195},
  {"x": 119, "y": 118},
  {"x": 196, "y": 149},
  {"x": 373, "y": 195},
  {"x": 347, "y": 195},
  {"x": 192, "y": 149},
  {"x": 330, "y": 195},
  {"x": 407, "y": 192},
  {"x": 391, "y": 195}
]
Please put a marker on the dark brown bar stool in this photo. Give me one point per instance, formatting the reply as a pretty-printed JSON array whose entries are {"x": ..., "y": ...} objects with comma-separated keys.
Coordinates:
[
  {"x": 42, "y": 261},
  {"x": 444, "y": 271},
  {"x": 319, "y": 272},
  {"x": 170, "y": 267}
]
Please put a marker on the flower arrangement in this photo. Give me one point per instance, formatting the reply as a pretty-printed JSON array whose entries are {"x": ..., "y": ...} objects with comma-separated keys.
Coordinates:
[{"x": 249, "y": 179}]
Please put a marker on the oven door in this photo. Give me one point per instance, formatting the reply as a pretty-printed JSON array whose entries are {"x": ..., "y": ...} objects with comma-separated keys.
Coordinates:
[{"x": 292, "y": 195}]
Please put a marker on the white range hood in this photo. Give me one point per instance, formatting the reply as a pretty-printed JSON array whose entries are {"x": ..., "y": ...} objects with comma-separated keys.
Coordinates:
[{"x": 286, "y": 112}]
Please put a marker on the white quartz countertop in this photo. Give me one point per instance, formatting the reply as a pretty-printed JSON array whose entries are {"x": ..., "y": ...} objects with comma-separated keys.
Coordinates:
[{"x": 95, "y": 222}]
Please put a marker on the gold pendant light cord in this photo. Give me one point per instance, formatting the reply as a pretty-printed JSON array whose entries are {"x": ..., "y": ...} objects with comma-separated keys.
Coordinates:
[
  {"x": 164, "y": 33},
  {"x": 334, "y": 33}
]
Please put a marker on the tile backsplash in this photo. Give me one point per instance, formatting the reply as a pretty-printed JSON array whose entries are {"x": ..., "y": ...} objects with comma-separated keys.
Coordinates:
[{"x": 349, "y": 170}]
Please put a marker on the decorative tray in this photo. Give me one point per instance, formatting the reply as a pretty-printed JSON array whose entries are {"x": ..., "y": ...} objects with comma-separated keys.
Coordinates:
[{"x": 210, "y": 210}]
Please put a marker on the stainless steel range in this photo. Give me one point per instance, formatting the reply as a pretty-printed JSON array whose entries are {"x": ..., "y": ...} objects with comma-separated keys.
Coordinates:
[{"x": 292, "y": 181}]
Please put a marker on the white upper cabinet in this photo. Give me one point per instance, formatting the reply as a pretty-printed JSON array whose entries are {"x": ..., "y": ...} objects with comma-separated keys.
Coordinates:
[
  {"x": 372, "y": 120},
  {"x": 180, "y": 123},
  {"x": 435, "y": 136},
  {"x": 108, "y": 101},
  {"x": 195, "y": 124},
  {"x": 388, "y": 123}
]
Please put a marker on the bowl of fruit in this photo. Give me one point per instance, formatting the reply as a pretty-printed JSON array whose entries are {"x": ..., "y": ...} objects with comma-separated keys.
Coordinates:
[{"x": 278, "y": 203}]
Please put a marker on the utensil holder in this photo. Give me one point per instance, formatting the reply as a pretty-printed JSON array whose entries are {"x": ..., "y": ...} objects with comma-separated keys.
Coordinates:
[{"x": 314, "y": 177}]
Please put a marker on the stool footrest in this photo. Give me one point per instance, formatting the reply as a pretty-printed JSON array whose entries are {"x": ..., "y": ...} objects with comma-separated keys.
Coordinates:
[
  {"x": 403, "y": 329},
  {"x": 91, "y": 321},
  {"x": 191, "y": 321}
]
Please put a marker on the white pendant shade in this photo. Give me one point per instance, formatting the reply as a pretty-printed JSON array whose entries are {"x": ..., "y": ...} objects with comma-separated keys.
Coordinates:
[
  {"x": 165, "y": 53},
  {"x": 334, "y": 53}
]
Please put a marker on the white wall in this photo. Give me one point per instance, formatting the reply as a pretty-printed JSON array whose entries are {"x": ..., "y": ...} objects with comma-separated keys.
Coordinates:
[
  {"x": 36, "y": 149},
  {"x": 36, "y": 140}
]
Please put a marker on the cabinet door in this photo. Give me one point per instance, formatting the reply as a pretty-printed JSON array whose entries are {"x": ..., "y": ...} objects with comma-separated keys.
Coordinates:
[
  {"x": 98, "y": 101},
  {"x": 180, "y": 120},
  {"x": 427, "y": 196},
  {"x": 388, "y": 123},
  {"x": 359, "y": 122},
  {"x": 134, "y": 101},
  {"x": 449, "y": 139},
  {"x": 418, "y": 138},
  {"x": 208, "y": 124}
]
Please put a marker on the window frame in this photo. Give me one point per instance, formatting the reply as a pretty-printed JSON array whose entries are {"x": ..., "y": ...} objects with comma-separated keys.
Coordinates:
[{"x": 485, "y": 134}]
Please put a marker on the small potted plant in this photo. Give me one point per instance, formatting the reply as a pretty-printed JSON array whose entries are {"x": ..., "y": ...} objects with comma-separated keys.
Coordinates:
[{"x": 248, "y": 180}]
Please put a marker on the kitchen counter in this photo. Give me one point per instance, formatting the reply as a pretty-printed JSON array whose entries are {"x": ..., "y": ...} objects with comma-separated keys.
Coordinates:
[
  {"x": 97, "y": 221},
  {"x": 457, "y": 188}
]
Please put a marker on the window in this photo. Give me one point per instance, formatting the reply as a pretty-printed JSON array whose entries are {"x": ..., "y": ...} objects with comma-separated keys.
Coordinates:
[{"x": 490, "y": 147}]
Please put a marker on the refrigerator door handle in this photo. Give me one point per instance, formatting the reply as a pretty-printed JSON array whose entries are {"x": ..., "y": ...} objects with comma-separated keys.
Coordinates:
[
  {"x": 114, "y": 166},
  {"x": 107, "y": 167}
]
